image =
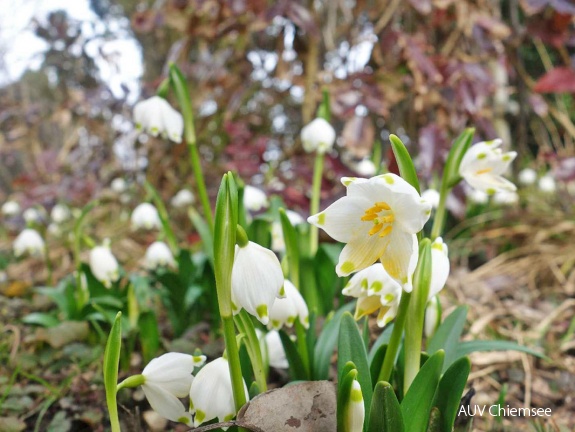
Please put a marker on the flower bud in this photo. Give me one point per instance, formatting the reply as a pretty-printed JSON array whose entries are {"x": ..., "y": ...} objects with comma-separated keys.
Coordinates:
[
  {"x": 104, "y": 266},
  {"x": 29, "y": 241},
  {"x": 157, "y": 255},
  {"x": 318, "y": 136},
  {"x": 145, "y": 216},
  {"x": 156, "y": 117}
]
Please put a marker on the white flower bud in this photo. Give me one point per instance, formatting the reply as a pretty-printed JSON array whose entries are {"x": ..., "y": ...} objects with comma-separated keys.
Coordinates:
[
  {"x": 34, "y": 215},
  {"x": 355, "y": 409},
  {"x": 60, "y": 213},
  {"x": 439, "y": 266},
  {"x": 104, "y": 266},
  {"x": 10, "y": 208},
  {"x": 145, "y": 216},
  {"x": 157, "y": 255},
  {"x": 156, "y": 117},
  {"x": 547, "y": 184},
  {"x": 254, "y": 199},
  {"x": 285, "y": 311},
  {"x": 318, "y": 136},
  {"x": 527, "y": 176},
  {"x": 278, "y": 243},
  {"x": 29, "y": 241},
  {"x": 118, "y": 185},
  {"x": 432, "y": 197},
  {"x": 505, "y": 198},
  {"x": 275, "y": 350},
  {"x": 365, "y": 168},
  {"x": 184, "y": 198}
]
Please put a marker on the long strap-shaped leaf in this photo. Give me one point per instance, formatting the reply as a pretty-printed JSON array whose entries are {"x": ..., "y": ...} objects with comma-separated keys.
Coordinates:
[{"x": 385, "y": 414}]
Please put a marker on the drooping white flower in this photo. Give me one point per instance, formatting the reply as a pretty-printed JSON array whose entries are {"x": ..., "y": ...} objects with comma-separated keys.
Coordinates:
[
  {"x": 375, "y": 290},
  {"x": 167, "y": 378},
  {"x": 104, "y": 266},
  {"x": 289, "y": 308},
  {"x": 156, "y": 117},
  {"x": 506, "y": 198},
  {"x": 119, "y": 185},
  {"x": 432, "y": 197},
  {"x": 145, "y": 216},
  {"x": 547, "y": 184},
  {"x": 439, "y": 266},
  {"x": 477, "y": 197},
  {"x": 34, "y": 215},
  {"x": 157, "y": 255},
  {"x": 432, "y": 317},
  {"x": 211, "y": 393},
  {"x": 527, "y": 176},
  {"x": 184, "y": 198},
  {"x": 10, "y": 208},
  {"x": 29, "y": 241},
  {"x": 60, "y": 213},
  {"x": 54, "y": 229},
  {"x": 254, "y": 199},
  {"x": 365, "y": 168},
  {"x": 378, "y": 219},
  {"x": 257, "y": 280},
  {"x": 318, "y": 136},
  {"x": 483, "y": 165},
  {"x": 274, "y": 351},
  {"x": 354, "y": 415},
  {"x": 278, "y": 243}
]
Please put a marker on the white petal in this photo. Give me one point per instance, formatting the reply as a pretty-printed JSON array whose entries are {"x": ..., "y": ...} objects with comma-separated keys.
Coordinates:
[
  {"x": 172, "y": 371},
  {"x": 439, "y": 266},
  {"x": 400, "y": 257},
  {"x": 356, "y": 410},
  {"x": 387, "y": 313},
  {"x": 361, "y": 252},
  {"x": 276, "y": 353},
  {"x": 432, "y": 317},
  {"x": 164, "y": 403},
  {"x": 299, "y": 303}
]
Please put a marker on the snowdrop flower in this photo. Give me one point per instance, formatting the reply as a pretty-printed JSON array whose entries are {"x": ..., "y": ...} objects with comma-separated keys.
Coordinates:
[
  {"x": 483, "y": 165},
  {"x": 547, "y": 184},
  {"x": 527, "y": 176},
  {"x": 378, "y": 219},
  {"x": 29, "y": 241},
  {"x": 156, "y": 116},
  {"x": 365, "y": 168},
  {"x": 375, "y": 290},
  {"x": 439, "y": 266},
  {"x": 157, "y": 255},
  {"x": 506, "y": 198},
  {"x": 432, "y": 317},
  {"x": 286, "y": 310},
  {"x": 254, "y": 199},
  {"x": 432, "y": 197},
  {"x": 145, "y": 216},
  {"x": 33, "y": 215},
  {"x": 54, "y": 229},
  {"x": 318, "y": 136},
  {"x": 167, "y": 378},
  {"x": 278, "y": 243},
  {"x": 211, "y": 393},
  {"x": 104, "y": 265},
  {"x": 478, "y": 197},
  {"x": 10, "y": 208},
  {"x": 60, "y": 213},
  {"x": 257, "y": 280},
  {"x": 274, "y": 351},
  {"x": 119, "y": 185},
  {"x": 355, "y": 409},
  {"x": 184, "y": 198}
]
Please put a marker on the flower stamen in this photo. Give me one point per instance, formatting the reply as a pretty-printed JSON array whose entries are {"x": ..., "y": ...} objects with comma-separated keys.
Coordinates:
[
  {"x": 483, "y": 171},
  {"x": 382, "y": 218}
]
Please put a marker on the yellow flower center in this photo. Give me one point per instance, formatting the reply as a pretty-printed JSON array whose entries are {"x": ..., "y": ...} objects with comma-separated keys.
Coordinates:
[
  {"x": 483, "y": 171},
  {"x": 381, "y": 216}
]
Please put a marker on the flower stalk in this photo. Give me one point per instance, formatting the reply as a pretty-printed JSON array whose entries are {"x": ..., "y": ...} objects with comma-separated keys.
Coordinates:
[{"x": 315, "y": 199}]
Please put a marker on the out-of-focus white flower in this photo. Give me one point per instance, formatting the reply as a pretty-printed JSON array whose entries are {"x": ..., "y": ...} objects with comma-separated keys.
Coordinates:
[
  {"x": 29, "y": 241},
  {"x": 10, "y": 208},
  {"x": 318, "y": 136},
  {"x": 478, "y": 197},
  {"x": 119, "y": 185},
  {"x": 378, "y": 219},
  {"x": 104, "y": 266},
  {"x": 355, "y": 410},
  {"x": 365, "y": 168},
  {"x": 257, "y": 280},
  {"x": 273, "y": 349},
  {"x": 157, "y": 255},
  {"x": 254, "y": 199},
  {"x": 432, "y": 317},
  {"x": 483, "y": 165},
  {"x": 156, "y": 117},
  {"x": 60, "y": 213},
  {"x": 211, "y": 393},
  {"x": 286, "y": 310},
  {"x": 547, "y": 184},
  {"x": 439, "y": 266},
  {"x": 184, "y": 198},
  {"x": 375, "y": 290},
  {"x": 432, "y": 197},
  {"x": 145, "y": 216},
  {"x": 527, "y": 176},
  {"x": 167, "y": 378},
  {"x": 54, "y": 229},
  {"x": 505, "y": 198},
  {"x": 278, "y": 243},
  {"x": 34, "y": 215}
]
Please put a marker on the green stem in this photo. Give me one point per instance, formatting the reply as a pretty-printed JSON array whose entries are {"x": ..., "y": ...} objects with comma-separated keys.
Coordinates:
[
  {"x": 234, "y": 362},
  {"x": 302, "y": 346},
  {"x": 440, "y": 212},
  {"x": 202, "y": 191},
  {"x": 395, "y": 340},
  {"x": 314, "y": 205},
  {"x": 164, "y": 217},
  {"x": 245, "y": 326}
]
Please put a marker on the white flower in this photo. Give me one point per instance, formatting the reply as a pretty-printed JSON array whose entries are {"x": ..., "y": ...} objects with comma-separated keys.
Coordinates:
[
  {"x": 355, "y": 409},
  {"x": 119, "y": 185},
  {"x": 365, "y": 168},
  {"x": 439, "y": 266},
  {"x": 211, "y": 393},
  {"x": 477, "y": 196},
  {"x": 547, "y": 184},
  {"x": 157, "y": 255},
  {"x": 29, "y": 241},
  {"x": 254, "y": 199},
  {"x": 278, "y": 243},
  {"x": 145, "y": 216},
  {"x": 54, "y": 229},
  {"x": 483, "y": 165},
  {"x": 10, "y": 208},
  {"x": 183, "y": 198},
  {"x": 104, "y": 265},
  {"x": 274, "y": 351},
  {"x": 432, "y": 317},
  {"x": 378, "y": 219},
  {"x": 34, "y": 215},
  {"x": 318, "y": 136},
  {"x": 375, "y": 290},
  {"x": 257, "y": 280},
  {"x": 527, "y": 176},
  {"x": 156, "y": 116},
  {"x": 432, "y": 197},
  {"x": 60, "y": 213},
  {"x": 506, "y": 198},
  {"x": 167, "y": 378},
  {"x": 289, "y": 308}
]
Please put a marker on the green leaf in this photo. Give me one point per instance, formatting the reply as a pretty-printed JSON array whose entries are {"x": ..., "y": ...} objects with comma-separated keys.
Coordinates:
[
  {"x": 164, "y": 217},
  {"x": 447, "y": 336},
  {"x": 449, "y": 392},
  {"x": 296, "y": 366},
  {"x": 111, "y": 360},
  {"x": 41, "y": 319},
  {"x": 404, "y": 162},
  {"x": 204, "y": 231},
  {"x": 417, "y": 403},
  {"x": 385, "y": 414},
  {"x": 350, "y": 347},
  {"x": 149, "y": 335},
  {"x": 344, "y": 395},
  {"x": 382, "y": 339},
  {"x": 458, "y": 149},
  {"x": 291, "y": 245},
  {"x": 376, "y": 361},
  {"x": 465, "y": 348},
  {"x": 324, "y": 111}
]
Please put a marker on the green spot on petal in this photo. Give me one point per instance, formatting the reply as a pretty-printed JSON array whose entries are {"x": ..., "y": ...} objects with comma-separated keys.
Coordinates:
[
  {"x": 184, "y": 420},
  {"x": 228, "y": 417},
  {"x": 491, "y": 191},
  {"x": 262, "y": 311},
  {"x": 437, "y": 245},
  {"x": 389, "y": 179},
  {"x": 234, "y": 307},
  {"x": 389, "y": 298},
  {"x": 363, "y": 284},
  {"x": 198, "y": 359},
  {"x": 291, "y": 320},
  {"x": 490, "y": 142},
  {"x": 321, "y": 219},
  {"x": 200, "y": 416},
  {"x": 347, "y": 267},
  {"x": 376, "y": 286},
  {"x": 276, "y": 323},
  {"x": 356, "y": 395},
  {"x": 481, "y": 156},
  {"x": 282, "y": 291},
  {"x": 506, "y": 158}
]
